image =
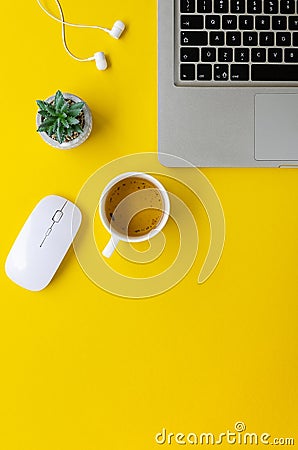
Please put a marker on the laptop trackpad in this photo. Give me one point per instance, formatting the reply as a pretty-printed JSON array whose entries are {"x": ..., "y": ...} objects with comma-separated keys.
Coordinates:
[{"x": 276, "y": 127}]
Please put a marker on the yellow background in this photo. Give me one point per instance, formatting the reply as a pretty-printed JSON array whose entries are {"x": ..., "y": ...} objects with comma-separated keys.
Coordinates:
[{"x": 84, "y": 370}]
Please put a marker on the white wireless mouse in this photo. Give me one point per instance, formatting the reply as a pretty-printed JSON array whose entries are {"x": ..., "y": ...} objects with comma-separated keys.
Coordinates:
[{"x": 43, "y": 242}]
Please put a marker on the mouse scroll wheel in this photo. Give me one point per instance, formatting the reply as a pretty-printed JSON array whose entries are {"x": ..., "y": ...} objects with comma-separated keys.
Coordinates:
[
  {"x": 57, "y": 216},
  {"x": 48, "y": 232}
]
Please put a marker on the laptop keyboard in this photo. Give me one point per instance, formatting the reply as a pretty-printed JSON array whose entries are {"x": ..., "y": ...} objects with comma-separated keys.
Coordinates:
[{"x": 237, "y": 42}]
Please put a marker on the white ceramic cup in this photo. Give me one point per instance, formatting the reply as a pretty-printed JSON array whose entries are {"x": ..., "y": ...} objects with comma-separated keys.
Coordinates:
[{"x": 115, "y": 235}]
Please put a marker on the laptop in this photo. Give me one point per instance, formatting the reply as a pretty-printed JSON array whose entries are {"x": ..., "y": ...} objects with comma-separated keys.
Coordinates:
[{"x": 228, "y": 83}]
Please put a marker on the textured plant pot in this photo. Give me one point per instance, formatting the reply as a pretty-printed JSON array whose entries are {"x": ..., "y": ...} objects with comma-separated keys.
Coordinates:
[{"x": 82, "y": 136}]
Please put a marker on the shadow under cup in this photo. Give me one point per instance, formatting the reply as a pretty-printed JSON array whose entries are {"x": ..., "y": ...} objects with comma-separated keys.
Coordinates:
[{"x": 134, "y": 207}]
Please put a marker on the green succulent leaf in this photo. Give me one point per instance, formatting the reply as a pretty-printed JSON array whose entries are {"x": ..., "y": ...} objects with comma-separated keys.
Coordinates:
[
  {"x": 73, "y": 121},
  {"x": 64, "y": 122},
  {"x": 41, "y": 104},
  {"x": 42, "y": 128},
  {"x": 76, "y": 105},
  {"x": 64, "y": 107},
  {"x": 50, "y": 130},
  {"x": 77, "y": 128},
  {"x": 50, "y": 110},
  {"x": 46, "y": 124},
  {"x": 75, "y": 109},
  {"x": 43, "y": 113},
  {"x": 60, "y": 134},
  {"x": 59, "y": 101},
  {"x": 49, "y": 121}
]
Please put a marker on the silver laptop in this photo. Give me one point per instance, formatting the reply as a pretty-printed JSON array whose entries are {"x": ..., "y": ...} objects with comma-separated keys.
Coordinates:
[{"x": 228, "y": 82}]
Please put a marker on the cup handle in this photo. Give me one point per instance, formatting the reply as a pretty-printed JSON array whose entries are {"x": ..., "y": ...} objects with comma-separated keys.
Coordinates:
[{"x": 110, "y": 247}]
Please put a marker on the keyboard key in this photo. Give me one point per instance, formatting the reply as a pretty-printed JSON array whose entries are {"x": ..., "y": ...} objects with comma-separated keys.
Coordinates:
[
  {"x": 293, "y": 23},
  {"x": 287, "y": 6},
  {"x": 204, "y": 6},
  {"x": 262, "y": 23},
  {"x": 279, "y": 23},
  {"x": 234, "y": 38},
  {"x": 221, "y": 6},
  {"x": 196, "y": 38},
  {"x": 225, "y": 54},
  {"x": 193, "y": 22},
  {"x": 187, "y": 72},
  {"x": 241, "y": 54},
  {"x": 204, "y": 72},
  {"x": 239, "y": 72},
  {"x": 254, "y": 6},
  {"x": 274, "y": 72},
  {"x": 291, "y": 55},
  {"x": 271, "y": 6},
  {"x": 217, "y": 38},
  {"x": 221, "y": 72},
  {"x": 266, "y": 39},
  {"x": 237, "y": 6},
  {"x": 283, "y": 39},
  {"x": 258, "y": 55},
  {"x": 229, "y": 22},
  {"x": 295, "y": 39},
  {"x": 187, "y": 6},
  {"x": 212, "y": 22},
  {"x": 250, "y": 38},
  {"x": 274, "y": 54},
  {"x": 189, "y": 54},
  {"x": 246, "y": 22},
  {"x": 208, "y": 54}
]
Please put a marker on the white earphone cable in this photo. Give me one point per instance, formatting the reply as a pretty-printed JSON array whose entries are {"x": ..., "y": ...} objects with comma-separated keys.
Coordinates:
[
  {"x": 64, "y": 36},
  {"x": 70, "y": 24}
]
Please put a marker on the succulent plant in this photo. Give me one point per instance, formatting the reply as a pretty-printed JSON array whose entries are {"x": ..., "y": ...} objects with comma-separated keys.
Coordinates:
[{"x": 61, "y": 118}]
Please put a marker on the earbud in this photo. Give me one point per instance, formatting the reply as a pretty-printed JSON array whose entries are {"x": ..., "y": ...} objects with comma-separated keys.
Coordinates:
[
  {"x": 100, "y": 60},
  {"x": 117, "y": 29}
]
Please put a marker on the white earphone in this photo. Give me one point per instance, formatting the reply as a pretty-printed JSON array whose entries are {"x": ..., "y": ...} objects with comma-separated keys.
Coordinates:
[{"x": 99, "y": 57}]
